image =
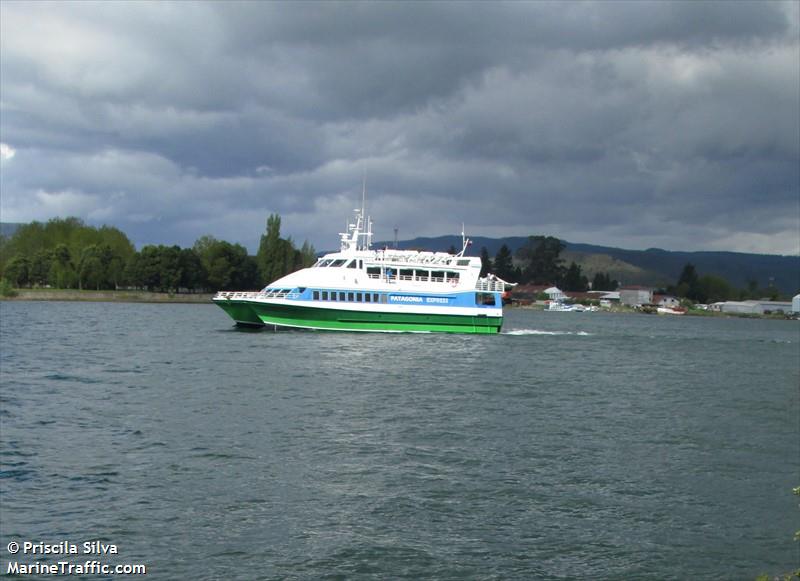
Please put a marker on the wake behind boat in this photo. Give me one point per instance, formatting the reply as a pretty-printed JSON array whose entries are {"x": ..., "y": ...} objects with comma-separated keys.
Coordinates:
[{"x": 360, "y": 289}]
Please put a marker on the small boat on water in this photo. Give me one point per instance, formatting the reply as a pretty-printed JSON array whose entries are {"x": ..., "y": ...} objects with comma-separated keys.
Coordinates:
[
  {"x": 570, "y": 308},
  {"x": 361, "y": 289}
]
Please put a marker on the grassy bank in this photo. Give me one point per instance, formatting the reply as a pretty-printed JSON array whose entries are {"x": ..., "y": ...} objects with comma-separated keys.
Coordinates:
[{"x": 104, "y": 296}]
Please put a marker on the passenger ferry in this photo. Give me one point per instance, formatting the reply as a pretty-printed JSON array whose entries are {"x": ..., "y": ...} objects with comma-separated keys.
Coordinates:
[{"x": 361, "y": 289}]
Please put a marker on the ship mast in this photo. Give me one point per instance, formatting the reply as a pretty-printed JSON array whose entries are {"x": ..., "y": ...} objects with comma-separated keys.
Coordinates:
[
  {"x": 358, "y": 235},
  {"x": 464, "y": 241}
]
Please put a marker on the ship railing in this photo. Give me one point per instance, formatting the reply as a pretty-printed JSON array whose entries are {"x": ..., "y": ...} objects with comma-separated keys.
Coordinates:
[
  {"x": 253, "y": 295},
  {"x": 493, "y": 285},
  {"x": 239, "y": 295},
  {"x": 410, "y": 278},
  {"x": 414, "y": 259}
]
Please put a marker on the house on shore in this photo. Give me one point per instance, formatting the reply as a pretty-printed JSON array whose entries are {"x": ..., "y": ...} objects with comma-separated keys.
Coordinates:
[
  {"x": 636, "y": 296},
  {"x": 530, "y": 292},
  {"x": 666, "y": 301}
]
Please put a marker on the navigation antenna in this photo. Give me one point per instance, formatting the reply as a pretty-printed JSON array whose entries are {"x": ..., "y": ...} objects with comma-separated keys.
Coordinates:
[
  {"x": 464, "y": 241},
  {"x": 358, "y": 235},
  {"x": 364, "y": 195}
]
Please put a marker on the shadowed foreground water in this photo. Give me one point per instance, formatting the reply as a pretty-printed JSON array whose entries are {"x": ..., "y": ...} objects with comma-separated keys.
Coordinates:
[{"x": 574, "y": 445}]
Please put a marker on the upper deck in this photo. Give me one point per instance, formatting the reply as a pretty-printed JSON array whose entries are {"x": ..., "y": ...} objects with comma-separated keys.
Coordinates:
[{"x": 357, "y": 266}]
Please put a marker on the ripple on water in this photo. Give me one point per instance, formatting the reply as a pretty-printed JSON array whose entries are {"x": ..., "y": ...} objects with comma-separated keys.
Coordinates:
[{"x": 628, "y": 446}]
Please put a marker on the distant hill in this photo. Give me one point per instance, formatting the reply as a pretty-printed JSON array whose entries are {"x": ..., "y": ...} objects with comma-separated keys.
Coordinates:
[
  {"x": 7, "y": 229},
  {"x": 654, "y": 266}
]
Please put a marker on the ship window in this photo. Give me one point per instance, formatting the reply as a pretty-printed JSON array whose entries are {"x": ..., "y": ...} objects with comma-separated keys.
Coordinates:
[
  {"x": 421, "y": 274},
  {"x": 437, "y": 276},
  {"x": 374, "y": 297},
  {"x": 324, "y": 295},
  {"x": 341, "y": 296},
  {"x": 358, "y": 297},
  {"x": 351, "y": 297},
  {"x": 374, "y": 271},
  {"x": 367, "y": 297},
  {"x": 384, "y": 299},
  {"x": 333, "y": 295},
  {"x": 352, "y": 264},
  {"x": 316, "y": 295},
  {"x": 406, "y": 274},
  {"x": 484, "y": 299},
  {"x": 360, "y": 264},
  {"x": 336, "y": 263},
  {"x": 463, "y": 262},
  {"x": 452, "y": 276}
]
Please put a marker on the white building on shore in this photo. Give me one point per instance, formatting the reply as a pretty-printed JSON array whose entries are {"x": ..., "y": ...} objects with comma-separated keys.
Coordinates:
[
  {"x": 755, "y": 307},
  {"x": 635, "y": 296}
]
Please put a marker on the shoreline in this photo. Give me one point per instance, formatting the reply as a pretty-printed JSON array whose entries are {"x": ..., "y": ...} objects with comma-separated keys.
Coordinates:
[
  {"x": 689, "y": 313},
  {"x": 125, "y": 296},
  {"x": 109, "y": 296}
]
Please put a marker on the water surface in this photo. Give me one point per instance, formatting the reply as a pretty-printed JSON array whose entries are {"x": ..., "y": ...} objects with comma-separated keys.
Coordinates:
[{"x": 573, "y": 445}]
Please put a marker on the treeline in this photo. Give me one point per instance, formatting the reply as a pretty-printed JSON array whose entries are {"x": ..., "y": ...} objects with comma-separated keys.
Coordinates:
[
  {"x": 710, "y": 288},
  {"x": 68, "y": 254},
  {"x": 539, "y": 262}
]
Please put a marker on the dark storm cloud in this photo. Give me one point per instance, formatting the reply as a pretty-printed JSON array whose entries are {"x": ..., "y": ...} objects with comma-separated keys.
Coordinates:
[{"x": 631, "y": 123}]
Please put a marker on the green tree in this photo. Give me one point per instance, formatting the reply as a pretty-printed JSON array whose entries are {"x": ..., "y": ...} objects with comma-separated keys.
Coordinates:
[
  {"x": 504, "y": 264},
  {"x": 307, "y": 254},
  {"x": 486, "y": 262},
  {"x": 34, "y": 241},
  {"x": 573, "y": 280},
  {"x": 203, "y": 245},
  {"x": 169, "y": 268},
  {"x": 228, "y": 266},
  {"x": 712, "y": 289},
  {"x": 91, "y": 273},
  {"x": 602, "y": 281},
  {"x": 193, "y": 273},
  {"x": 688, "y": 283},
  {"x": 220, "y": 273},
  {"x": 145, "y": 269},
  {"x": 278, "y": 256},
  {"x": 40, "y": 267},
  {"x": 17, "y": 271},
  {"x": 62, "y": 273},
  {"x": 271, "y": 257},
  {"x": 542, "y": 261}
]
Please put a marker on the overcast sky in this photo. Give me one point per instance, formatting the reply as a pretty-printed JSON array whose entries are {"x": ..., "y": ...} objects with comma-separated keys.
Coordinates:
[{"x": 632, "y": 124}]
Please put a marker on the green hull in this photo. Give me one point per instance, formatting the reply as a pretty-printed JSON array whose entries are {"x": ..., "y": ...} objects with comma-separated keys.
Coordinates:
[
  {"x": 240, "y": 312},
  {"x": 254, "y": 313}
]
